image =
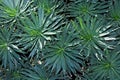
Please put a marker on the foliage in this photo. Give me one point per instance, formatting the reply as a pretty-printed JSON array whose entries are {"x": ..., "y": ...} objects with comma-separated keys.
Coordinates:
[
  {"x": 59, "y": 57},
  {"x": 37, "y": 29},
  {"x": 35, "y": 73},
  {"x": 94, "y": 34},
  {"x": 59, "y": 39},
  {"x": 114, "y": 13},
  {"x": 9, "y": 50},
  {"x": 106, "y": 66},
  {"x": 12, "y": 10},
  {"x": 83, "y": 8}
]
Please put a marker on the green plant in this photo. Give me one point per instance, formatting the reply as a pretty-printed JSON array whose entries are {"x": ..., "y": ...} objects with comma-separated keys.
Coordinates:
[
  {"x": 84, "y": 7},
  {"x": 50, "y": 6},
  {"x": 59, "y": 40},
  {"x": 114, "y": 13},
  {"x": 94, "y": 34},
  {"x": 35, "y": 73},
  {"x": 106, "y": 66},
  {"x": 37, "y": 30},
  {"x": 9, "y": 50},
  {"x": 12, "y": 10},
  {"x": 59, "y": 57}
]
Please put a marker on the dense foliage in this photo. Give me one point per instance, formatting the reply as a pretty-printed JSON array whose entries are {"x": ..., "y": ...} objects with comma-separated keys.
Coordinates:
[{"x": 59, "y": 40}]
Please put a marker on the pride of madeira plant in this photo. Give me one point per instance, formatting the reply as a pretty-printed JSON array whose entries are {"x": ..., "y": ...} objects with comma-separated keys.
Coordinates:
[{"x": 59, "y": 40}]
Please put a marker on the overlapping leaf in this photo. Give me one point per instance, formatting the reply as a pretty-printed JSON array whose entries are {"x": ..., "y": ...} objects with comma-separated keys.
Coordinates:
[
  {"x": 49, "y": 6},
  {"x": 35, "y": 73},
  {"x": 107, "y": 67},
  {"x": 84, "y": 7},
  {"x": 37, "y": 29},
  {"x": 11, "y": 10},
  {"x": 62, "y": 55},
  {"x": 114, "y": 13},
  {"x": 94, "y": 34},
  {"x": 76, "y": 51},
  {"x": 9, "y": 50}
]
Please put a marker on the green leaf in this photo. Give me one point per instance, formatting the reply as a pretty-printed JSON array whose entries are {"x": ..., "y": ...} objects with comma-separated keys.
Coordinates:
[
  {"x": 8, "y": 49},
  {"x": 107, "y": 67},
  {"x": 37, "y": 29},
  {"x": 64, "y": 56},
  {"x": 85, "y": 8},
  {"x": 12, "y": 10},
  {"x": 93, "y": 34}
]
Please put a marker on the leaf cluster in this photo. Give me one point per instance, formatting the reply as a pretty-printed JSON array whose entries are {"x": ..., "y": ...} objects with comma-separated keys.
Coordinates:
[{"x": 59, "y": 40}]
